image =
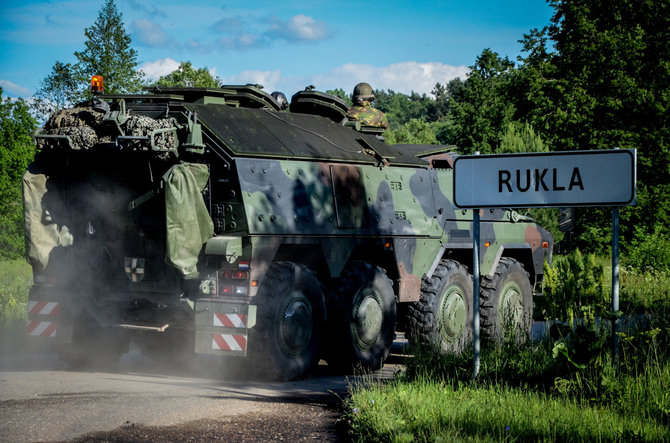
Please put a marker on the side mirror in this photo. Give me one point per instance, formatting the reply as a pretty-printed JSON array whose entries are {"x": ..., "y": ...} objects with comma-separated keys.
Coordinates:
[{"x": 566, "y": 219}]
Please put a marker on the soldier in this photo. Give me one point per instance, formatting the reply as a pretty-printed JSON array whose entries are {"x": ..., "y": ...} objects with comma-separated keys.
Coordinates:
[
  {"x": 281, "y": 100},
  {"x": 362, "y": 109}
]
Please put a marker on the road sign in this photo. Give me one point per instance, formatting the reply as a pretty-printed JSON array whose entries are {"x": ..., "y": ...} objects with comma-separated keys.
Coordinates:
[{"x": 558, "y": 179}]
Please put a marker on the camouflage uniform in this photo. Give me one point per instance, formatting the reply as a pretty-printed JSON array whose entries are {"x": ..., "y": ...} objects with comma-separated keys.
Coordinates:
[{"x": 367, "y": 115}]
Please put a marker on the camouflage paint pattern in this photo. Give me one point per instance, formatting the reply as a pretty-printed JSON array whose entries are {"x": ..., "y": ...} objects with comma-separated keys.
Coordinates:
[
  {"x": 281, "y": 186},
  {"x": 368, "y": 115},
  {"x": 411, "y": 207}
]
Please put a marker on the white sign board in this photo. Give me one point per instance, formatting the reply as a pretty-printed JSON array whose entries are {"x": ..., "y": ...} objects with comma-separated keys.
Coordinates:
[{"x": 559, "y": 179}]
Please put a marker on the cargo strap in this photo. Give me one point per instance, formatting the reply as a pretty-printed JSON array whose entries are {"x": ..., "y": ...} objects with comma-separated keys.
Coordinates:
[{"x": 141, "y": 200}]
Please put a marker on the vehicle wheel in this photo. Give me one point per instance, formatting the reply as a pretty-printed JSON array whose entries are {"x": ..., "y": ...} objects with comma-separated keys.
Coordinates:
[
  {"x": 285, "y": 343},
  {"x": 92, "y": 346},
  {"x": 506, "y": 303},
  {"x": 443, "y": 316},
  {"x": 363, "y": 315}
]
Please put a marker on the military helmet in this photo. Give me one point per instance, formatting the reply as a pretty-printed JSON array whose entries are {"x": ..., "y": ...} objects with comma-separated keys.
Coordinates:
[
  {"x": 363, "y": 91},
  {"x": 281, "y": 99}
]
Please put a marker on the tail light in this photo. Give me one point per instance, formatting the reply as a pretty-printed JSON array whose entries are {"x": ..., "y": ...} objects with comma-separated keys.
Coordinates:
[{"x": 233, "y": 283}]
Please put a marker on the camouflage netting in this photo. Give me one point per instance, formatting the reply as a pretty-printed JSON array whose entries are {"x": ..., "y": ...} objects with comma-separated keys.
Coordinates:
[
  {"x": 85, "y": 127},
  {"x": 140, "y": 125},
  {"x": 78, "y": 124}
]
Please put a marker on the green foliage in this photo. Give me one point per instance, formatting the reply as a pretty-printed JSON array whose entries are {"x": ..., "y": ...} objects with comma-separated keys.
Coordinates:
[
  {"x": 413, "y": 132},
  {"x": 573, "y": 285},
  {"x": 649, "y": 251},
  {"x": 188, "y": 76},
  {"x": 482, "y": 111},
  {"x": 16, "y": 152},
  {"x": 429, "y": 409},
  {"x": 59, "y": 89},
  {"x": 597, "y": 78},
  {"x": 400, "y": 108},
  {"x": 15, "y": 281},
  {"x": 644, "y": 291},
  {"x": 520, "y": 137}
]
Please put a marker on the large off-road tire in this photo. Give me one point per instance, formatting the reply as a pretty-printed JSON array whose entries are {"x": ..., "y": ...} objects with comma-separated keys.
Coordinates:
[
  {"x": 285, "y": 343},
  {"x": 506, "y": 303},
  {"x": 443, "y": 316},
  {"x": 93, "y": 347},
  {"x": 362, "y": 314}
]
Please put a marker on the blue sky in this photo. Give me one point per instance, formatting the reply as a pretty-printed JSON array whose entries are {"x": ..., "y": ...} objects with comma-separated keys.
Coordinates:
[{"x": 396, "y": 44}]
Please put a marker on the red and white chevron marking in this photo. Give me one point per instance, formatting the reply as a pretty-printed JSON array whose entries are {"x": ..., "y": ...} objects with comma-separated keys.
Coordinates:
[
  {"x": 43, "y": 307},
  {"x": 230, "y": 320},
  {"x": 229, "y": 342},
  {"x": 41, "y": 328}
]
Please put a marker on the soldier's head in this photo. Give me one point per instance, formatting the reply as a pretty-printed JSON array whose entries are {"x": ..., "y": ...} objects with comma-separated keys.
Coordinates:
[{"x": 363, "y": 92}]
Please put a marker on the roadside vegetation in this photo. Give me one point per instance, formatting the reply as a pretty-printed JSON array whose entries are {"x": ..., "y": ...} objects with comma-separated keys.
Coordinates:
[
  {"x": 564, "y": 387},
  {"x": 15, "y": 280}
]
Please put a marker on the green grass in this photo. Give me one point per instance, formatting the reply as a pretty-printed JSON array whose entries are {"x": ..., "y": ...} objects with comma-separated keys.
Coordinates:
[
  {"x": 15, "y": 281},
  {"x": 643, "y": 291},
  {"x": 426, "y": 410},
  {"x": 566, "y": 387}
]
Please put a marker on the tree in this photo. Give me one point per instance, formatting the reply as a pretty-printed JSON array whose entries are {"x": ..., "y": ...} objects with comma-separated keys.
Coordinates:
[
  {"x": 482, "y": 111},
  {"x": 188, "y": 76},
  {"x": 520, "y": 137},
  {"x": 413, "y": 132},
  {"x": 16, "y": 152},
  {"x": 603, "y": 82},
  {"x": 401, "y": 108},
  {"x": 59, "y": 88},
  {"x": 107, "y": 52}
]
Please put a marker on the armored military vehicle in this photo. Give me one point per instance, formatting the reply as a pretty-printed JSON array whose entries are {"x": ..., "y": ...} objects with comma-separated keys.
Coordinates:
[{"x": 211, "y": 219}]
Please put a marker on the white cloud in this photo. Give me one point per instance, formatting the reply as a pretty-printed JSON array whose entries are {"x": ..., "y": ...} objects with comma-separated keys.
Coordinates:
[
  {"x": 151, "y": 34},
  {"x": 300, "y": 28},
  {"x": 241, "y": 42},
  {"x": 14, "y": 90},
  {"x": 154, "y": 70},
  {"x": 402, "y": 77}
]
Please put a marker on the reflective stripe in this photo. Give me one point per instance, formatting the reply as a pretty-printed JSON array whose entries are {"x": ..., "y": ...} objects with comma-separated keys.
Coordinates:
[
  {"x": 41, "y": 328},
  {"x": 43, "y": 307},
  {"x": 227, "y": 342},
  {"x": 230, "y": 320}
]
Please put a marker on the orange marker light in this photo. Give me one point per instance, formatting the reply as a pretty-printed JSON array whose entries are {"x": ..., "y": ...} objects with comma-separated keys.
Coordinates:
[
  {"x": 96, "y": 84},
  {"x": 487, "y": 244},
  {"x": 545, "y": 244}
]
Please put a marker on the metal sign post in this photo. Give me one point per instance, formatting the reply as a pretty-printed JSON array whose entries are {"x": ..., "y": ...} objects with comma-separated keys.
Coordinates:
[
  {"x": 475, "y": 288},
  {"x": 615, "y": 284}
]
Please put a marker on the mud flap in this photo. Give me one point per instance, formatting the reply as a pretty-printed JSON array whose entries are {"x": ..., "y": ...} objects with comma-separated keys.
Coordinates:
[
  {"x": 50, "y": 316},
  {"x": 221, "y": 328}
]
